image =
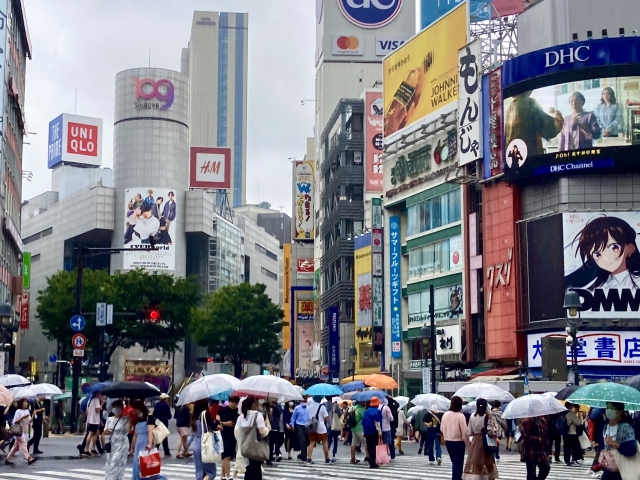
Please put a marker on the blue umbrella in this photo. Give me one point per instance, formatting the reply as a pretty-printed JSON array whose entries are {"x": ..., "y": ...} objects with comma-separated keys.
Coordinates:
[
  {"x": 96, "y": 387},
  {"x": 323, "y": 389},
  {"x": 353, "y": 386},
  {"x": 368, "y": 395}
]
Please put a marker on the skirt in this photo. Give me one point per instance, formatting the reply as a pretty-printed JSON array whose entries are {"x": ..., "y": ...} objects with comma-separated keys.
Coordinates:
[
  {"x": 184, "y": 431},
  {"x": 481, "y": 465}
]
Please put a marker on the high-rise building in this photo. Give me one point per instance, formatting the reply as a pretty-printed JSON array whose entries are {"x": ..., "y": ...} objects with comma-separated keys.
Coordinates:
[{"x": 216, "y": 64}]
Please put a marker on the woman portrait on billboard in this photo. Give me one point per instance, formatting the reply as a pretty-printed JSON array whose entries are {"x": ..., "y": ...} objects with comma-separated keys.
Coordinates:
[
  {"x": 609, "y": 113},
  {"x": 609, "y": 253},
  {"x": 580, "y": 128}
]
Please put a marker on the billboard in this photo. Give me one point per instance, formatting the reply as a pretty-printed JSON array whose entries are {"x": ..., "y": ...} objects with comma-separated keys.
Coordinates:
[
  {"x": 74, "y": 139},
  {"x": 374, "y": 142},
  {"x": 422, "y": 76},
  {"x": 210, "y": 168},
  {"x": 149, "y": 214},
  {"x": 370, "y": 13},
  {"x": 396, "y": 287},
  {"x": 492, "y": 123},
  {"x": 362, "y": 273},
  {"x": 304, "y": 270},
  {"x": 26, "y": 270},
  {"x": 602, "y": 262},
  {"x": 306, "y": 310},
  {"x": 432, "y": 10},
  {"x": 24, "y": 311},
  {"x": 305, "y": 345},
  {"x": 304, "y": 193},
  {"x": 469, "y": 78},
  {"x": 286, "y": 297}
]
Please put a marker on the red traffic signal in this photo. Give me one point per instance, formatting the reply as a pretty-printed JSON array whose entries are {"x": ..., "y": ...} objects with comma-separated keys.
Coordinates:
[{"x": 154, "y": 315}]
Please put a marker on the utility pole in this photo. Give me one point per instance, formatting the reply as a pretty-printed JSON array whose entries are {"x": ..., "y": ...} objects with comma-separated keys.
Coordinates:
[{"x": 77, "y": 362}]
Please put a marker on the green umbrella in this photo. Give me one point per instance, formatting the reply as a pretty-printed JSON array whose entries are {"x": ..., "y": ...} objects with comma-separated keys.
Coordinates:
[
  {"x": 64, "y": 396},
  {"x": 598, "y": 394}
]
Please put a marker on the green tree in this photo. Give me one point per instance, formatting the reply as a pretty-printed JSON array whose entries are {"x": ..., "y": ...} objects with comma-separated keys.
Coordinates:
[
  {"x": 129, "y": 293},
  {"x": 239, "y": 322}
]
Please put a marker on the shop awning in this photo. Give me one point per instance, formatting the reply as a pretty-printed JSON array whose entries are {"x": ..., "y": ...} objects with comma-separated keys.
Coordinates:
[{"x": 496, "y": 372}]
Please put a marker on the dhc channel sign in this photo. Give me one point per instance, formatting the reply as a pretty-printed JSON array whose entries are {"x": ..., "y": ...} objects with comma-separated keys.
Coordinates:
[{"x": 370, "y": 13}]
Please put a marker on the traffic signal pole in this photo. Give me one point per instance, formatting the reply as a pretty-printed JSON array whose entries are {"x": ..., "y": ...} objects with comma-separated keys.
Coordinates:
[{"x": 77, "y": 363}]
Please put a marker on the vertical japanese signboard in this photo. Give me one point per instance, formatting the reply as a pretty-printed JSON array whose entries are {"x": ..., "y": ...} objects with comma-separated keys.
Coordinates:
[
  {"x": 334, "y": 340},
  {"x": 492, "y": 123},
  {"x": 286, "y": 302},
  {"x": 24, "y": 311},
  {"x": 373, "y": 142},
  {"x": 469, "y": 61},
  {"x": 26, "y": 270},
  {"x": 394, "y": 281},
  {"x": 303, "y": 197},
  {"x": 376, "y": 271}
]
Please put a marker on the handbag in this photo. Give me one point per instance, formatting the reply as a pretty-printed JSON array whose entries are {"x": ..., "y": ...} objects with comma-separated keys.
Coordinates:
[
  {"x": 210, "y": 444},
  {"x": 160, "y": 432},
  {"x": 149, "y": 463},
  {"x": 585, "y": 443},
  {"x": 629, "y": 467},
  {"x": 253, "y": 446},
  {"x": 16, "y": 429},
  {"x": 608, "y": 461},
  {"x": 490, "y": 443},
  {"x": 442, "y": 440},
  {"x": 312, "y": 425},
  {"x": 382, "y": 456},
  {"x": 107, "y": 446}
]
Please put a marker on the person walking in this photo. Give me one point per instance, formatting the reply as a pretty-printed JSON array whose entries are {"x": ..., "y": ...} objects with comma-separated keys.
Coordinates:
[
  {"x": 318, "y": 411},
  {"x": 555, "y": 439},
  {"x": 290, "y": 436},
  {"x": 335, "y": 427},
  {"x": 94, "y": 407},
  {"x": 228, "y": 417},
  {"x": 354, "y": 422},
  {"x": 371, "y": 427},
  {"x": 387, "y": 432},
  {"x": 183, "y": 423},
  {"x": 501, "y": 423},
  {"x": 38, "y": 421},
  {"x": 298, "y": 422},
  {"x": 598, "y": 421},
  {"x": 534, "y": 447},
  {"x": 248, "y": 416},
  {"x": 204, "y": 471},
  {"x": 420, "y": 423},
  {"x": 618, "y": 435},
  {"x": 142, "y": 435},
  {"x": 162, "y": 412},
  {"x": 23, "y": 418},
  {"x": 402, "y": 422},
  {"x": 60, "y": 414},
  {"x": 481, "y": 465},
  {"x": 433, "y": 438},
  {"x": 115, "y": 431},
  {"x": 274, "y": 413},
  {"x": 571, "y": 439}
]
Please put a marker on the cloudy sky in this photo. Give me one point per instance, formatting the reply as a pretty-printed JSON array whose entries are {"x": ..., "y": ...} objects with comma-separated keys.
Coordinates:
[{"x": 83, "y": 44}]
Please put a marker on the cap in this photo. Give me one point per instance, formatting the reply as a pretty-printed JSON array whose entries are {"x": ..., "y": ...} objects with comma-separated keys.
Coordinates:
[
  {"x": 374, "y": 402},
  {"x": 163, "y": 396}
]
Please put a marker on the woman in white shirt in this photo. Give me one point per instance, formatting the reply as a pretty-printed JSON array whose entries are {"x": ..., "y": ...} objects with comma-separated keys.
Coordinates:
[
  {"x": 22, "y": 417},
  {"x": 248, "y": 416}
]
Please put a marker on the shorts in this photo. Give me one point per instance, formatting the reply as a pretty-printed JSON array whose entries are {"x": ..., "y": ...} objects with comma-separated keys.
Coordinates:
[
  {"x": 358, "y": 439},
  {"x": 184, "y": 431},
  {"x": 318, "y": 437},
  {"x": 387, "y": 438},
  {"x": 228, "y": 447},
  {"x": 93, "y": 427}
]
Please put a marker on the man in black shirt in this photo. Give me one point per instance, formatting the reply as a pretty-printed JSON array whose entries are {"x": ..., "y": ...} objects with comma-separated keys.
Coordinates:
[
  {"x": 228, "y": 417},
  {"x": 38, "y": 420}
]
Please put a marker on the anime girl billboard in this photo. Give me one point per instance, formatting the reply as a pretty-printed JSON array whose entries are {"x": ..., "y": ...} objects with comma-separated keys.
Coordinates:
[{"x": 602, "y": 262}]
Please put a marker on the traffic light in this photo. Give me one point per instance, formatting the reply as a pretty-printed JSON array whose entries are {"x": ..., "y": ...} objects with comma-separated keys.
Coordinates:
[
  {"x": 204, "y": 359},
  {"x": 149, "y": 315},
  {"x": 154, "y": 315}
]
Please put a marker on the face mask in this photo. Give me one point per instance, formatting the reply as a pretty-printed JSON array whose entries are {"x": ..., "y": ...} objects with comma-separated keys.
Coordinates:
[
  {"x": 261, "y": 402},
  {"x": 611, "y": 413},
  {"x": 117, "y": 411},
  {"x": 291, "y": 404}
]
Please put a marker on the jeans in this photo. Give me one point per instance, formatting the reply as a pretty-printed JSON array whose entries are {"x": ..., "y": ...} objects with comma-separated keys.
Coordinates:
[
  {"x": 544, "y": 468},
  {"x": 456, "y": 454},
  {"x": 433, "y": 438},
  {"x": 372, "y": 443},
  {"x": 333, "y": 438},
  {"x": 301, "y": 431}
]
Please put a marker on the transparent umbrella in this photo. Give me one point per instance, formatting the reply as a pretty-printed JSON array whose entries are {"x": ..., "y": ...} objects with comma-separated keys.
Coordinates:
[
  {"x": 269, "y": 387},
  {"x": 432, "y": 401},
  {"x": 205, "y": 387},
  {"x": 12, "y": 380},
  {"x": 533, "y": 406},
  {"x": 402, "y": 401},
  {"x": 487, "y": 391}
]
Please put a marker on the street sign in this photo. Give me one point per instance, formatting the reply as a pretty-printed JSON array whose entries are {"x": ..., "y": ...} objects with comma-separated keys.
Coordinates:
[
  {"x": 426, "y": 379},
  {"x": 109, "y": 314},
  {"x": 53, "y": 358},
  {"x": 79, "y": 341},
  {"x": 101, "y": 314},
  {"x": 527, "y": 389},
  {"x": 77, "y": 322},
  {"x": 78, "y": 353}
]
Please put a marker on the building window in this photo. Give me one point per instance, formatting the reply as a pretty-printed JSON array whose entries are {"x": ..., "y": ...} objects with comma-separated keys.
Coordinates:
[
  {"x": 269, "y": 273},
  {"x": 35, "y": 258},
  {"x": 435, "y": 258},
  {"x": 447, "y": 304},
  {"x": 38, "y": 236},
  {"x": 266, "y": 252},
  {"x": 434, "y": 213}
]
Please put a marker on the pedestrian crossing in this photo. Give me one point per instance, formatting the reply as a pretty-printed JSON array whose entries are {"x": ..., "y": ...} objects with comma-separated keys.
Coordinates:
[{"x": 402, "y": 468}]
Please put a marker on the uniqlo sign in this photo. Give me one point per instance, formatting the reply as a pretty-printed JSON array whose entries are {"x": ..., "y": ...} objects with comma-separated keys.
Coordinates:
[
  {"x": 75, "y": 140},
  {"x": 210, "y": 168}
]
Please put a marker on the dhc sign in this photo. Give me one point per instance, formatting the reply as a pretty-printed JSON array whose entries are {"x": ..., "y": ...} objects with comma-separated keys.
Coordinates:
[
  {"x": 370, "y": 13},
  {"x": 568, "y": 55}
]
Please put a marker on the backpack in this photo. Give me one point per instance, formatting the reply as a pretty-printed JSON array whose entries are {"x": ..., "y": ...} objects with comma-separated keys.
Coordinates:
[
  {"x": 312, "y": 425},
  {"x": 500, "y": 423},
  {"x": 561, "y": 425},
  {"x": 352, "y": 422},
  {"x": 394, "y": 407}
]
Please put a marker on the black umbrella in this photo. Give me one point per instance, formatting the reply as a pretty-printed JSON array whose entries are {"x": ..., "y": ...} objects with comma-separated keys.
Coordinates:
[
  {"x": 130, "y": 390},
  {"x": 566, "y": 392},
  {"x": 633, "y": 382}
]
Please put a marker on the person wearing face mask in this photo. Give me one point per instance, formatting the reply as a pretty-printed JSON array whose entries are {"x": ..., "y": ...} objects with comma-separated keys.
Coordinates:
[
  {"x": 142, "y": 436},
  {"x": 115, "y": 434},
  {"x": 618, "y": 436},
  {"x": 291, "y": 439}
]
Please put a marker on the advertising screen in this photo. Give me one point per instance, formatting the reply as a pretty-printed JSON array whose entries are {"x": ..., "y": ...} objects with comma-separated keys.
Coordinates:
[
  {"x": 602, "y": 262},
  {"x": 303, "y": 198},
  {"x": 149, "y": 213},
  {"x": 421, "y": 77},
  {"x": 374, "y": 143}
]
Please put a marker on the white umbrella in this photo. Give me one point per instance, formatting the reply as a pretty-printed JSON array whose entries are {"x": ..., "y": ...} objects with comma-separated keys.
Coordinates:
[
  {"x": 12, "y": 380},
  {"x": 402, "y": 401},
  {"x": 470, "y": 408},
  {"x": 413, "y": 410},
  {"x": 269, "y": 387},
  {"x": 432, "y": 401},
  {"x": 533, "y": 406},
  {"x": 487, "y": 391},
  {"x": 207, "y": 386}
]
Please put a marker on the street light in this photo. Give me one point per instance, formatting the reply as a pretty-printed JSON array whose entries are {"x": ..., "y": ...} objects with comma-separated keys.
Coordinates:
[
  {"x": 573, "y": 305},
  {"x": 353, "y": 354}
]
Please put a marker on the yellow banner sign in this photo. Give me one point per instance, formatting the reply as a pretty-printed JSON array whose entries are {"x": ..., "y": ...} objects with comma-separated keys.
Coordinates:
[{"x": 286, "y": 304}]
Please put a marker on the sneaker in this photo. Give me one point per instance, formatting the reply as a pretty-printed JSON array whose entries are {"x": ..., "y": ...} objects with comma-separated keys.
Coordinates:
[
  {"x": 419, "y": 451},
  {"x": 497, "y": 460},
  {"x": 568, "y": 464},
  {"x": 279, "y": 458},
  {"x": 439, "y": 461},
  {"x": 334, "y": 460},
  {"x": 326, "y": 460},
  {"x": 431, "y": 462},
  {"x": 309, "y": 461},
  {"x": 579, "y": 462}
]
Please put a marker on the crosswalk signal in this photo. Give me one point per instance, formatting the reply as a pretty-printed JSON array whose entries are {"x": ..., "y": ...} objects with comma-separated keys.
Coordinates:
[{"x": 154, "y": 315}]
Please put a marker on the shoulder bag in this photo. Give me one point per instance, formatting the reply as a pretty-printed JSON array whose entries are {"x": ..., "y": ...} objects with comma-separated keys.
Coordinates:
[
  {"x": 210, "y": 444},
  {"x": 253, "y": 446},
  {"x": 490, "y": 443},
  {"x": 107, "y": 446},
  {"x": 160, "y": 432},
  {"x": 312, "y": 425}
]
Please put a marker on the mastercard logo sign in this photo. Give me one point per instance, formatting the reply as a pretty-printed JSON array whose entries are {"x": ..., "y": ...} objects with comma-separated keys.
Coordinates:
[{"x": 347, "y": 45}]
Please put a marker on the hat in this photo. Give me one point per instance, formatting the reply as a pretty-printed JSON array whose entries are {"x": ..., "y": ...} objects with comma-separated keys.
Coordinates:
[
  {"x": 374, "y": 402},
  {"x": 163, "y": 396}
]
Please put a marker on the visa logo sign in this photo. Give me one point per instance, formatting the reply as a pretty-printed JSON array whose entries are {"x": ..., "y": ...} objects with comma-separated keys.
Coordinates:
[{"x": 386, "y": 45}]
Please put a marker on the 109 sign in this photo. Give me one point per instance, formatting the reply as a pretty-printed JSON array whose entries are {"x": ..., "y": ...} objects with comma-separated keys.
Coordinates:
[{"x": 370, "y": 13}]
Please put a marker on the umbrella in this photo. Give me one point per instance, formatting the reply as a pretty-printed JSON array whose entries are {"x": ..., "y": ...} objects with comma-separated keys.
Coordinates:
[
  {"x": 207, "y": 386},
  {"x": 64, "y": 396},
  {"x": 130, "y": 390},
  {"x": 381, "y": 382},
  {"x": 598, "y": 394},
  {"x": 432, "y": 401},
  {"x": 35, "y": 390},
  {"x": 413, "y": 410},
  {"x": 368, "y": 395},
  {"x": 487, "y": 391},
  {"x": 353, "y": 386},
  {"x": 470, "y": 408},
  {"x": 402, "y": 401},
  {"x": 96, "y": 387},
  {"x": 13, "y": 380},
  {"x": 222, "y": 396},
  {"x": 349, "y": 395},
  {"x": 269, "y": 387},
  {"x": 566, "y": 392},
  {"x": 323, "y": 389},
  {"x": 633, "y": 382},
  {"x": 6, "y": 398},
  {"x": 533, "y": 406}
]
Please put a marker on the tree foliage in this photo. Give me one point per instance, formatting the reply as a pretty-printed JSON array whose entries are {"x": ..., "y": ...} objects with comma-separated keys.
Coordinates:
[
  {"x": 128, "y": 292},
  {"x": 240, "y": 323}
]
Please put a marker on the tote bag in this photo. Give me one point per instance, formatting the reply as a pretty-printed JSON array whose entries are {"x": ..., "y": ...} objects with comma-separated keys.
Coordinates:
[
  {"x": 253, "y": 446},
  {"x": 160, "y": 432},
  {"x": 382, "y": 456},
  {"x": 629, "y": 467},
  {"x": 149, "y": 463},
  {"x": 209, "y": 445}
]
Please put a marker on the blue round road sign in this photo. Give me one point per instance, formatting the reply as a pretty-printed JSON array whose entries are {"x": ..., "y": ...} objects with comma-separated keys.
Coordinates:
[
  {"x": 77, "y": 323},
  {"x": 370, "y": 13},
  {"x": 53, "y": 358}
]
